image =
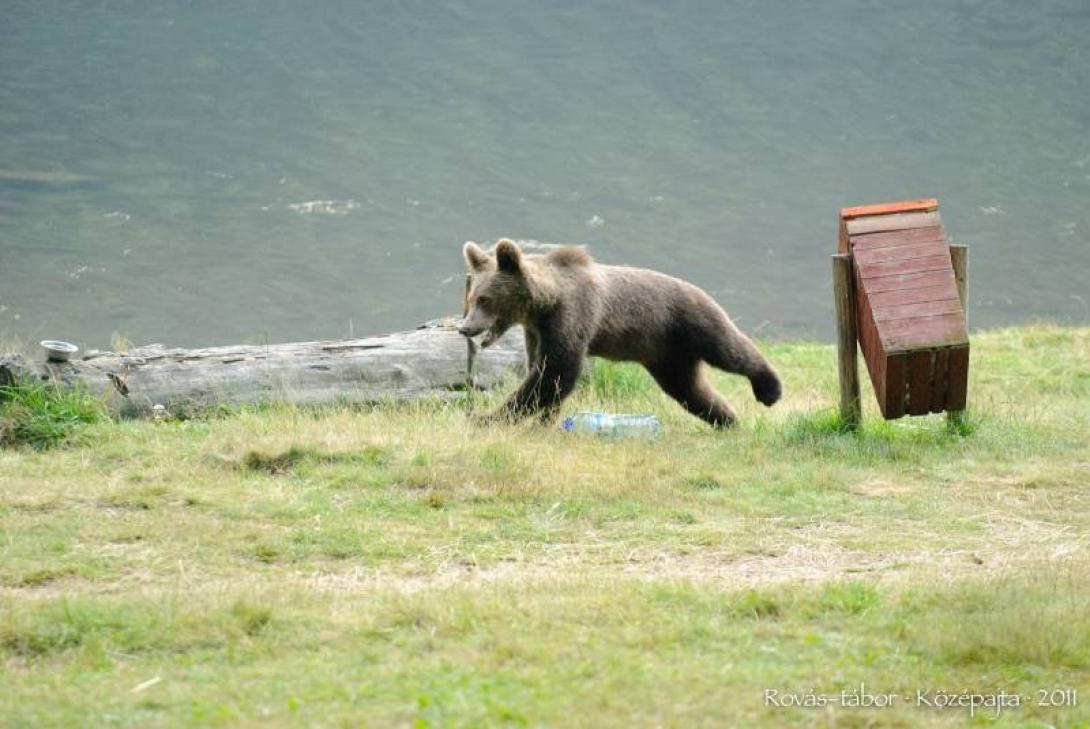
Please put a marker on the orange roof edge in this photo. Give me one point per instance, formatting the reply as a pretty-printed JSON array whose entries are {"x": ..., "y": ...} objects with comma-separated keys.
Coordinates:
[{"x": 924, "y": 205}]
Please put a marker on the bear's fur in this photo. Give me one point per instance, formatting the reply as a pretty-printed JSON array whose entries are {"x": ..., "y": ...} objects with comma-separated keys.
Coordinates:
[{"x": 570, "y": 306}]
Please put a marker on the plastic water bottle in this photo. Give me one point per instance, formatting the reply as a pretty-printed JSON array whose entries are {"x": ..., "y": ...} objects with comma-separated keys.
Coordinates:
[{"x": 610, "y": 425}]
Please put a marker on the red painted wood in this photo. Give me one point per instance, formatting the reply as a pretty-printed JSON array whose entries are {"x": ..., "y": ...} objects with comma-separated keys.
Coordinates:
[
  {"x": 895, "y": 238},
  {"x": 881, "y": 269},
  {"x": 911, "y": 323},
  {"x": 894, "y": 394},
  {"x": 944, "y": 330},
  {"x": 910, "y": 281},
  {"x": 958, "y": 387},
  {"x": 920, "y": 371},
  {"x": 883, "y": 223},
  {"x": 869, "y": 342},
  {"x": 916, "y": 309},
  {"x": 940, "y": 380},
  {"x": 904, "y": 206},
  {"x": 898, "y": 253},
  {"x": 897, "y": 297}
]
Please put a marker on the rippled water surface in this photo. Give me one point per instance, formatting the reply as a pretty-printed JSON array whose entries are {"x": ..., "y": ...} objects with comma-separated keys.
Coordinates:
[{"x": 206, "y": 173}]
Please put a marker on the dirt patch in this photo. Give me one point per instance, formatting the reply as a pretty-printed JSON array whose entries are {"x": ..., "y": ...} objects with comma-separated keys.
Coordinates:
[
  {"x": 797, "y": 564},
  {"x": 881, "y": 489},
  {"x": 815, "y": 554}
]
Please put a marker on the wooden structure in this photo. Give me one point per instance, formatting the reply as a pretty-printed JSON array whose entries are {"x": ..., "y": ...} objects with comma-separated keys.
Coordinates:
[
  {"x": 154, "y": 381},
  {"x": 900, "y": 293}
]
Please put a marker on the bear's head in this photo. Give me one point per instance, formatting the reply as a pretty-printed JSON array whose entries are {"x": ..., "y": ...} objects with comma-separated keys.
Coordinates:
[{"x": 498, "y": 291}]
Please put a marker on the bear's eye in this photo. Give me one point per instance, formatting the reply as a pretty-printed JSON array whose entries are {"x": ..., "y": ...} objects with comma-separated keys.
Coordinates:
[{"x": 484, "y": 300}]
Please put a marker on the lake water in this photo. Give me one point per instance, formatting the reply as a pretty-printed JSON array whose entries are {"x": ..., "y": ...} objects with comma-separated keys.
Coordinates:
[{"x": 206, "y": 173}]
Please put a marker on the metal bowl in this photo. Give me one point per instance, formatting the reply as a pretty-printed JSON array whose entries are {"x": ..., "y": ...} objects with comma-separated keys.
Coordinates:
[{"x": 58, "y": 351}]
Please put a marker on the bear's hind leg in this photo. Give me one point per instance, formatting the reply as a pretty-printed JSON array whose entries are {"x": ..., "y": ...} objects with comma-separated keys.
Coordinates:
[
  {"x": 732, "y": 351},
  {"x": 686, "y": 382}
]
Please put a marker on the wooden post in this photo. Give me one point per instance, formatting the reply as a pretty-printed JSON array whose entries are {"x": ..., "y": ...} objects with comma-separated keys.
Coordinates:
[
  {"x": 844, "y": 296},
  {"x": 959, "y": 259}
]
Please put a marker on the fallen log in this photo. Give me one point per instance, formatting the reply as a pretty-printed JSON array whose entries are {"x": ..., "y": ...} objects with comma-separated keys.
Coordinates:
[{"x": 153, "y": 380}]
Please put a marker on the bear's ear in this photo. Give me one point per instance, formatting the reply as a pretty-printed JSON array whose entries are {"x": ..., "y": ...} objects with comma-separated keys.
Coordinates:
[
  {"x": 508, "y": 256},
  {"x": 476, "y": 258}
]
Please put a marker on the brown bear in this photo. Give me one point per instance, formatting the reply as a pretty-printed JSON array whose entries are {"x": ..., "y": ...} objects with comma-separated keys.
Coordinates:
[{"x": 570, "y": 306}]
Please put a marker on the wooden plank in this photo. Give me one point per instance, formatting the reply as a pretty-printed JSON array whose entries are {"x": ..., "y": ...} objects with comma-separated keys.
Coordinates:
[
  {"x": 893, "y": 401},
  {"x": 898, "y": 297},
  {"x": 844, "y": 299},
  {"x": 903, "y": 335},
  {"x": 895, "y": 238},
  {"x": 939, "y": 380},
  {"x": 870, "y": 342},
  {"x": 905, "y": 252},
  {"x": 939, "y": 325},
  {"x": 909, "y": 281},
  {"x": 920, "y": 369},
  {"x": 916, "y": 309},
  {"x": 904, "y": 206},
  {"x": 883, "y": 223},
  {"x": 958, "y": 377},
  {"x": 881, "y": 269},
  {"x": 959, "y": 261},
  {"x": 875, "y": 358}
]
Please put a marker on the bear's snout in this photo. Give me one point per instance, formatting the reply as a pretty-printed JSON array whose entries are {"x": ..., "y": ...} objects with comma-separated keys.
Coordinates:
[{"x": 468, "y": 330}]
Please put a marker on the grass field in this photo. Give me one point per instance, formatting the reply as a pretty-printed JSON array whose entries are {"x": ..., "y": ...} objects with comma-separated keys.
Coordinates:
[{"x": 398, "y": 566}]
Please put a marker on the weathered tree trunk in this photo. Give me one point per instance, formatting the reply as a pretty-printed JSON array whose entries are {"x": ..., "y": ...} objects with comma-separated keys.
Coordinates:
[{"x": 430, "y": 361}]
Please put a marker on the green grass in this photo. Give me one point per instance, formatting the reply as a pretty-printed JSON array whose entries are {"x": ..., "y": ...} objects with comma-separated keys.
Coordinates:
[
  {"x": 43, "y": 415},
  {"x": 399, "y": 566}
]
